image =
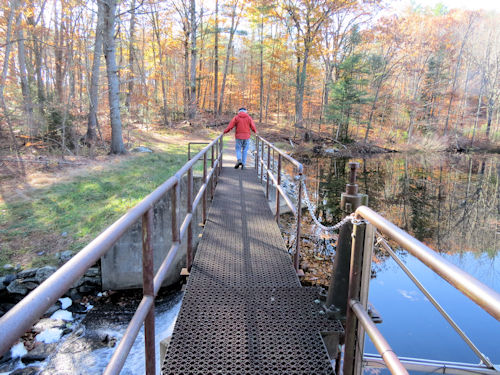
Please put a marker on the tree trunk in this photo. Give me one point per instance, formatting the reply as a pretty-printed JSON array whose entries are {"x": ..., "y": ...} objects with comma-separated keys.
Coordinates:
[
  {"x": 299, "y": 108},
  {"x": 117, "y": 146},
  {"x": 91, "y": 135},
  {"x": 131, "y": 52},
  {"x": 216, "y": 57},
  {"x": 192, "y": 80},
  {"x": 455, "y": 77},
  {"x": 25, "y": 87},
  {"x": 234, "y": 25},
  {"x": 58, "y": 54},
  {"x": 374, "y": 106},
  {"x": 3, "y": 78},
  {"x": 156, "y": 30},
  {"x": 261, "y": 93}
]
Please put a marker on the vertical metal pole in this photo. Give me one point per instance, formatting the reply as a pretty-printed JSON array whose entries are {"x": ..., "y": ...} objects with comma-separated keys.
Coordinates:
[
  {"x": 204, "y": 214},
  {"x": 338, "y": 290},
  {"x": 299, "y": 215},
  {"x": 362, "y": 247},
  {"x": 268, "y": 167},
  {"x": 212, "y": 178},
  {"x": 189, "y": 250},
  {"x": 148, "y": 289},
  {"x": 221, "y": 146},
  {"x": 174, "y": 197},
  {"x": 277, "y": 191},
  {"x": 257, "y": 154},
  {"x": 262, "y": 164}
]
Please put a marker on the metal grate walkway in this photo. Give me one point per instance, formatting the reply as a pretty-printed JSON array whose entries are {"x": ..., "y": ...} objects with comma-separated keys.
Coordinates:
[{"x": 244, "y": 310}]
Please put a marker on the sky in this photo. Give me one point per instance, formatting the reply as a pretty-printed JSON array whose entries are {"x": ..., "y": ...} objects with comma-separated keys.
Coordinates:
[{"x": 461, "y": 4}]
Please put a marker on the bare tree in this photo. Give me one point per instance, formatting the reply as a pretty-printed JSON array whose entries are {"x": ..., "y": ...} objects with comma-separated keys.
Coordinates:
[
  {"x": 92, "y": 123},
  {"x": 117, "y": 146}
]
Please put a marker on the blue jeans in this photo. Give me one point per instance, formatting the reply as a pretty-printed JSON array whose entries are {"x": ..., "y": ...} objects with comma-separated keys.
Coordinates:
[{"x": 242, "y": 149}]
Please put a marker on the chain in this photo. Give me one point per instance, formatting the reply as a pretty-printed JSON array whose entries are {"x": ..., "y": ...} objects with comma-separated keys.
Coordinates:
[
  {"x": 313, "y": 215},
  {"x": 311, "y": 210}
]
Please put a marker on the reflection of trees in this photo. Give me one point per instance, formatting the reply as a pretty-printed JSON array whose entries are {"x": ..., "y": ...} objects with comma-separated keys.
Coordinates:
[{"x": 450, "y": 202}]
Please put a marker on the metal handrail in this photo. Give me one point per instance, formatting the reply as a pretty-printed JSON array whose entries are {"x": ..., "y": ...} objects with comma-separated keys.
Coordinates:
[
  {"x": 297, "y": 211},
  {"x": 383, "y": 347},
  {"x": 22, "y": 316},
  {"x": 481, "y": 294},
  {"x": 434, "y": 302}
]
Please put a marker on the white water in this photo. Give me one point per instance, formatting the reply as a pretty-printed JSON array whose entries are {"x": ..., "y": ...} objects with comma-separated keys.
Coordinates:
[{"x": 81, "y": 361}]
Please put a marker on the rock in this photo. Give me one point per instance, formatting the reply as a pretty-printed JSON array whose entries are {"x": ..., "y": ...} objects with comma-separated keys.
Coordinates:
[
  {"x": 77, "y": 283},
  {"x": 64, "y": 256},
  {"x": 19, "y": 287},
  {"x": 85, "y": 289},
  {"x": 141, "y": 149},
  {"x": 39, "y": 353},
  {"x": 92, "y": 272},
  {"x": 92, "y": 281},
  {"x": 77, "y": 308},
  {"x": 43, "y": 273},
  {"x": 52, "y": 309},
  {"x": 30, "y": 370},
  {"x": 2, "y": 285},
  {"x": 8, "y": 267},
  {"x": 8, "y": 279},
  {"x": 64, "y": 234},
  {"x": 26, "y": 274},
  {"x": 46, "y": 323}
]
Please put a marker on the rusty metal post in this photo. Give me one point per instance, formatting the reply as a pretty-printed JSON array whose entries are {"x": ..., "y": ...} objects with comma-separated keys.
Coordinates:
[
  {"x": 262, "y": 164},
  {"x": 189, "y": 250},
  {"x": 221, "y": 147},
  {"x": 359, "y": 278},
  {"x": 148, "y": 289},
  {"x": 277, "y": 190},
  {"x": 336, "y": 302},
  {"x": 174, "y": 199},
  {"x": 299, "y": 216},
  {"x": 204, "y": 214},
  {"x": 268, "y": 171},
  {"x": 257, "y": 154},
  {"x": 212, "y": 178}
]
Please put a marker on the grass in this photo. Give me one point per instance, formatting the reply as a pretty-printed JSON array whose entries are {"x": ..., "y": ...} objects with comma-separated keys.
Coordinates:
[{"x": 68, "y": 215}]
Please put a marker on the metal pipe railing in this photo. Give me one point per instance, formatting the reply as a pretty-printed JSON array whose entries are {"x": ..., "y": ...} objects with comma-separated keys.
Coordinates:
[
  {"x": 435, "y": 303},
  {"x": 430, "y": 366},
  {"x": 261, "y": 143},
  {"x": 390, "y": 358},
  {"x": 22, "y": 316},
  {"x": 481, "y": 294}
]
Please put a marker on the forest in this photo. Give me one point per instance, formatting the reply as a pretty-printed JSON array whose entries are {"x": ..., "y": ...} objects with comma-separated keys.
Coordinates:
[{"x": 76, "y": 74}]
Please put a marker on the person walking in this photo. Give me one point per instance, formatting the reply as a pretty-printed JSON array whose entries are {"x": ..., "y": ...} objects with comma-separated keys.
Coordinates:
[{"x": 244, "y": 124}]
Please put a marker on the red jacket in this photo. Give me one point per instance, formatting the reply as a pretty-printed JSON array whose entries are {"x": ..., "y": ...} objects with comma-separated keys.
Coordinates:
[{"x": 243, "y": 123}]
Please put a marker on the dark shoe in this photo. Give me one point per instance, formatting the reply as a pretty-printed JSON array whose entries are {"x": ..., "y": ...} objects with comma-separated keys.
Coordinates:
[
  {"x": 237, "y": 164},
  {"x": 242, "y": 166}
]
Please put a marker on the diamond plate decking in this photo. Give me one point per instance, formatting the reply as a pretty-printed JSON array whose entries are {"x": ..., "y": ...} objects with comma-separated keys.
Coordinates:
[{"x": 244, "y": 310}]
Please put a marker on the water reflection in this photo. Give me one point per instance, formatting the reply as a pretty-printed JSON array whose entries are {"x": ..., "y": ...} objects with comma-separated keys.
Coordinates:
[{"x": 449, "y": 202}]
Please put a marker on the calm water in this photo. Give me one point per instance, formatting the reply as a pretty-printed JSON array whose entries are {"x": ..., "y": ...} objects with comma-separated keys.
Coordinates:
[{"x": 451, "y": 203}]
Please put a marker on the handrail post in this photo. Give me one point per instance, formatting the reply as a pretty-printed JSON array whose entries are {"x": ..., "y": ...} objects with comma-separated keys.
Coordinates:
[
  {"x": 189, "y": 250},
  {"x": 257, "y": 154},
  {"x": 299, "y": 216},
  {"x": 221, "y": 147},
  {"x": 277, "y": 190},
  {"x": 262, "y": 163},
  {"x": 204, "y": 214},
  {"x": 174, "y": 199},
  {"x": 148, "y": 290},
  {"x": 359, "y": 281},
  {"x": 267, "y": 173},
  {"x": 212, "y": 178},
  {"x": 336, "y": 302}
]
